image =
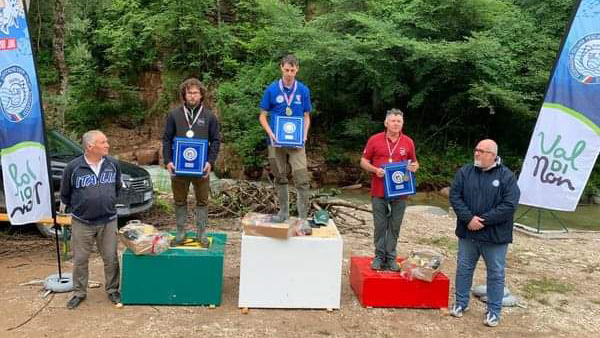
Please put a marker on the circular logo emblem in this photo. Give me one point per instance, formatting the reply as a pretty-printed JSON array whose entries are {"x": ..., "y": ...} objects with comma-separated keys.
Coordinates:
[
  {"x": 279, "y": 98},
  {"x": 15, "y": 93},
  {"x": 398, "y": 177},
  {"x": 584, "y": 59},
  {"x": 190, "y": 154},
  {"x": 289, "y": 128},
  {"x": 496, "y": 183}
]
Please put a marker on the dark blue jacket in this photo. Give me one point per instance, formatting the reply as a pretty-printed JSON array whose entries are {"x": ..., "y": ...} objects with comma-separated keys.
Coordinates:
[
  {"x": 91, "y": 198},
  {"x": 492, "y": 195}
]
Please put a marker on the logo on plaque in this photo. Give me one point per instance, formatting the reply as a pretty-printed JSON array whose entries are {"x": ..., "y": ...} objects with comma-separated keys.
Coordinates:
[
  {"x": 398, "y": 177},
  {"x": 190, "y": 154},
  {"x": 289, "y": 128}
]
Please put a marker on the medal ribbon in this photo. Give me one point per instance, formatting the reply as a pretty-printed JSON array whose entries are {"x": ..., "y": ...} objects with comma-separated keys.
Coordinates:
[
  {"x": 187, "y": 111},
  {"x": 391, "y": 151},
  {"x": 288, "y": 100}
]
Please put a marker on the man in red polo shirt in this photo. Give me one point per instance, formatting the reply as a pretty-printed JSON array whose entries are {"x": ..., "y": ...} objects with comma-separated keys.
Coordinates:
[{"x": 388, "y": 146}]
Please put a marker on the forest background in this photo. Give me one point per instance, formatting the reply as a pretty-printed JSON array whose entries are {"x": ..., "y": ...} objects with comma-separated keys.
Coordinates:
[{"x": 461, "y": 70}]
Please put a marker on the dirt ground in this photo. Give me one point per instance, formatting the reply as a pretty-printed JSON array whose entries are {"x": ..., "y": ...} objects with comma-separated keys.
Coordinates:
[{"x": 557, "y": 281}]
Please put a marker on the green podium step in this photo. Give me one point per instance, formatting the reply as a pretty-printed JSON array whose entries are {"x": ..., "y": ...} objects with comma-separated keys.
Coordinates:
[{"x": 178, "y": 276}]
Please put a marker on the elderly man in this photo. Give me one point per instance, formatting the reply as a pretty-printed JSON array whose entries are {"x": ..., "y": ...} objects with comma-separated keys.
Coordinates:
[
  {"x": 195, "y": 121},
  {"x": 287, "y": 97},
  {"x": 89, "y": 188},
  {"x": 484, "y": 195},
  {"x": 386, "y": 147}
]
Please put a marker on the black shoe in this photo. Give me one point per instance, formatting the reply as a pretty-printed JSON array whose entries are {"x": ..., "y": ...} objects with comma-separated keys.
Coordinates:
[
  {"x": 392, "y": 265},
  {"x": 377, "y": 264},
  {"x": 74, "y": 302},
  {"x": 115, "y": 297}
]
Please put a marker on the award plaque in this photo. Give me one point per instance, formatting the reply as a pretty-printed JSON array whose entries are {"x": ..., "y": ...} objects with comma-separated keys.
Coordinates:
[
  {"x": 189, "y": 156},
  {"x": 289, "y": 131},
  {"x": 398, "y": 181}
]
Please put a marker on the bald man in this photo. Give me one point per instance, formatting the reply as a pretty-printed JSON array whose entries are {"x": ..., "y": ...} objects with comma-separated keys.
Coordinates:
[
  {"x": 89, "y": 188},
  {"x": 484, "y": 195}
]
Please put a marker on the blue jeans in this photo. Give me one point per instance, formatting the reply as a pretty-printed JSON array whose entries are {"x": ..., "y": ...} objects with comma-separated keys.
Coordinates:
[
  {"x": 387, "y": 219},
  {"x": 494, "y": 256}
]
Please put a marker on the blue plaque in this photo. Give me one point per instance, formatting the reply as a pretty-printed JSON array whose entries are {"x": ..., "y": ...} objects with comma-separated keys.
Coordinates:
[
  {"x": 189, "y": 156},
  {"x": 398, "y": 181},
  {"x": 289, "y": 131}
]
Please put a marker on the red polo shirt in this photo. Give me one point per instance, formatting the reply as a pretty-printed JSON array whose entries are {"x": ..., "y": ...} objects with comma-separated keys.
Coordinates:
[{"x": 377, "y": 153}]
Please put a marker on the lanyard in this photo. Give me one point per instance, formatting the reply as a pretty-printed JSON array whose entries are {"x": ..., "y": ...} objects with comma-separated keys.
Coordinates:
[
  {"x": 288, "y": 99},
  {"x": 391, "y": 151},
  {"x": 190, "y": 113}
]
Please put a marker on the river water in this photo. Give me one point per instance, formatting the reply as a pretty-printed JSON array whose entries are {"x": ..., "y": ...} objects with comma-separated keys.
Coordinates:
[{"x": 585, "y": 217}]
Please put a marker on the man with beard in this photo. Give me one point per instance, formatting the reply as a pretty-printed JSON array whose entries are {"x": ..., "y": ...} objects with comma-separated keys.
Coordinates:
[
  {"x": 195, "y": 121},
  {"x": 484, "y": 196}
]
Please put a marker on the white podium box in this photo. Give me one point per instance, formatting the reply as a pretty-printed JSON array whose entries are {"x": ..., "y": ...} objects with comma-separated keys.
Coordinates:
[{"x": 298, "y": 272}]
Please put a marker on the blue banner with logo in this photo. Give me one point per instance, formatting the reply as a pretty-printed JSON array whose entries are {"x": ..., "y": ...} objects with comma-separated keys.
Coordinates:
[
  {"x": 25, "y": 180},
  {"x": 566, "y": 139}
]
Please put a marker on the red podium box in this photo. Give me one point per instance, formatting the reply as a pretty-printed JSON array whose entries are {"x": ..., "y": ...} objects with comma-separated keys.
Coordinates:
[{"x": 390, "y": 289}]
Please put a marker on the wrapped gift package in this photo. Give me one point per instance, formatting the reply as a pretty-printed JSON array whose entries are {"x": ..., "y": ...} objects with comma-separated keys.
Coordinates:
[
  {"x": 423, "y": 265},
  {"x": 143, "y": 239}
]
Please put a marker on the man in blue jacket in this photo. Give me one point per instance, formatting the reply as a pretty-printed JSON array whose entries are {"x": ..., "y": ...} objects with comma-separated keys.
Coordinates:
[
  {"x": 485, "y": 196},
  {"x": 89, "y": 188}
]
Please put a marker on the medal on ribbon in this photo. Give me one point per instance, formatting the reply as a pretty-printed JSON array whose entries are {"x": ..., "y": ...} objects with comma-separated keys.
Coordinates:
[
  {"x": 187, "y": 113},
  {"x": 288, "y": 99},
  {"x": 391, "y": 150}
]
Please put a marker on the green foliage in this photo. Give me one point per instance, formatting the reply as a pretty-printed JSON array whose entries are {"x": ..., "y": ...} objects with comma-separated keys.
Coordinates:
[{"x": 461, "y": 70}]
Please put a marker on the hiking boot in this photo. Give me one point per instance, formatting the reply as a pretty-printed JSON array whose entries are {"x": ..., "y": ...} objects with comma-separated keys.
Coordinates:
[
  {"x": 115, "y": 297},
  {"x": 201, "y": 223},
  {"x": 180, "y": 221},
  {"x": 458, "y": 311},
  {"x": 392, "y": 265},
  {"x": 490, "y": 319},
  {"x": 284, "y": 207},
  {"x": 74, "y": 302},
  {"x": 377, "y": 264}
]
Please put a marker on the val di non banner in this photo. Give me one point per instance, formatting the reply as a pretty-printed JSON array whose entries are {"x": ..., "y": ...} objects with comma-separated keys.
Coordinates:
[
  {"x": 566, "y": 139},
  {"x": 23, "y": 155}
]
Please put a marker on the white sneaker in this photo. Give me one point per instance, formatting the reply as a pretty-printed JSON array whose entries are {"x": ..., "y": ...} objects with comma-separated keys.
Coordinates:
[
  {"x": 458, "y": 311},
  {"x": 490, "y": 319}
]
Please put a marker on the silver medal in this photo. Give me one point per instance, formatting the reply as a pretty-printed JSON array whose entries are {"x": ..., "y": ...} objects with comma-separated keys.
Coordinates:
[{"x": 189, "y": 133}]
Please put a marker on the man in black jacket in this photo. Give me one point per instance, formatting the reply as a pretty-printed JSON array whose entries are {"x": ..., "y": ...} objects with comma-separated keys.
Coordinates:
[
  {"x": 89, "y": 188},
  {"x": 484, "y": 196},
  {"x": 191, "y": 120}
]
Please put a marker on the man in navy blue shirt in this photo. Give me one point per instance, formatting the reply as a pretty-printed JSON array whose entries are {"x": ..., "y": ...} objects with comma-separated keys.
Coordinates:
[
  {"x": 89, "y": 188},
  {"x": 287, "y": 97}
]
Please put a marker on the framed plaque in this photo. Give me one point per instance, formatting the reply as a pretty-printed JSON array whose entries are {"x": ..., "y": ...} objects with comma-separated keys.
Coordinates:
[
  {"x": 189, "y": 156},
  {"x": 289, "y": 131},
  {"x": 398, "y": 181}
]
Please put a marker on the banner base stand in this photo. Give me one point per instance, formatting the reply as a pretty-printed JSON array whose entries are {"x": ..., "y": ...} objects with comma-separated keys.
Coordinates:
[{"x": 539, "y": 218}]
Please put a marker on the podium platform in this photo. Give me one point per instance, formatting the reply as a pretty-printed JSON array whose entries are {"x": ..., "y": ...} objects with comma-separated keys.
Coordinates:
[
  {"x": 298, "y": 272},
  {"x": 390, "y": 289},
  {"x": 178, "y": 276}
]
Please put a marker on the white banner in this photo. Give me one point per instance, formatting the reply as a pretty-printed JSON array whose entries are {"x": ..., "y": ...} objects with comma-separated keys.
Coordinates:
[
  {"x": 560, "y": 158},
  {"x": 26, "y": 185}
]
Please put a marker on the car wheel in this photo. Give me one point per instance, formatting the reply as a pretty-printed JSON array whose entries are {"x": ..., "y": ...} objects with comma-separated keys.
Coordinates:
[{"x": 48, "y": 231}]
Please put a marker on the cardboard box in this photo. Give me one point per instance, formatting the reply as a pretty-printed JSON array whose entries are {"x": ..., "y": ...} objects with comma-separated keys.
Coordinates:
[{"x": 255, "y": 224}]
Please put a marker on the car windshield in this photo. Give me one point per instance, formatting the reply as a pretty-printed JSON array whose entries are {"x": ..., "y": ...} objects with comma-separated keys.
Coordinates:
[{"x": 59, "y": 145}]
